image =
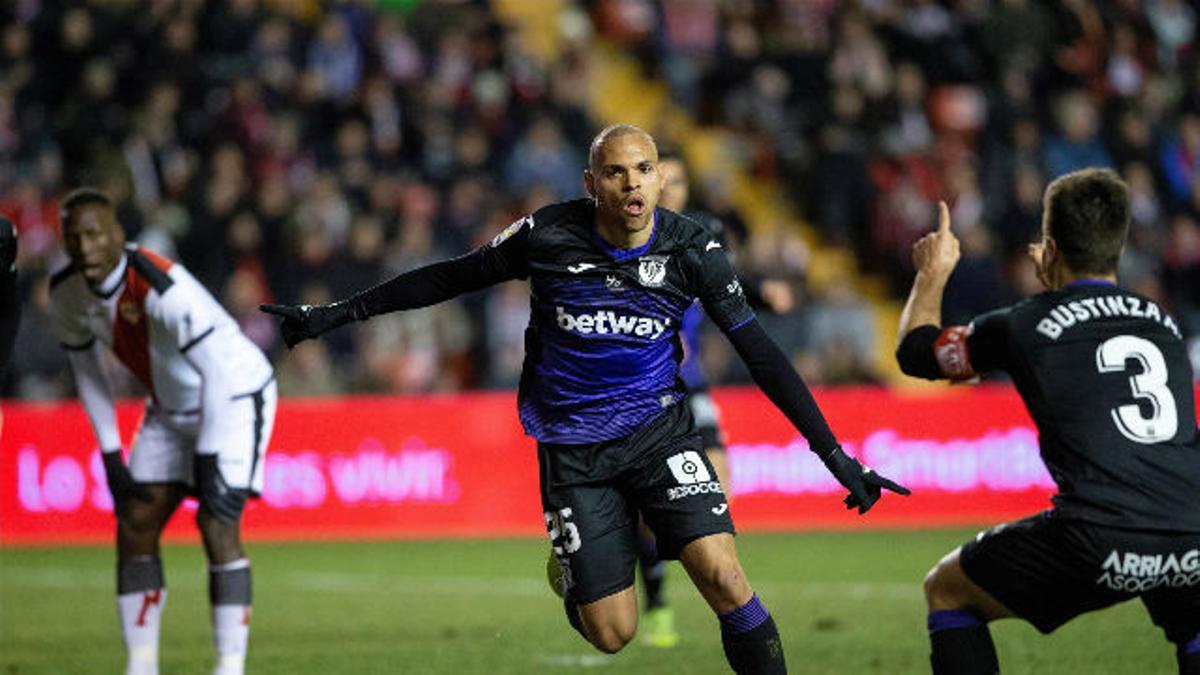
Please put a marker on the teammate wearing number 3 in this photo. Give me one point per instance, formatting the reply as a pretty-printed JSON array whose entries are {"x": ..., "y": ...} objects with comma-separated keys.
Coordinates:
[{"x": 1107, "y": 381}]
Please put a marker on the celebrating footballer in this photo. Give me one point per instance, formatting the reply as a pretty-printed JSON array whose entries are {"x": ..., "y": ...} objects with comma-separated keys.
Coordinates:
[
  {"x": 1105, "y": 376},
  {"x": 611, "y": 277}
]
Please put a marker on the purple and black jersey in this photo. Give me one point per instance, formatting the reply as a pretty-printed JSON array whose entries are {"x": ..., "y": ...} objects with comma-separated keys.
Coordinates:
[
  {"x": 602, "y": 347},
  {"x": 1107, "y": 380}
]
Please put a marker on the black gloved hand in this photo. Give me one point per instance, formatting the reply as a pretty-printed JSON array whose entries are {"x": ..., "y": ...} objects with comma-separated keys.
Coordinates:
[
  {"x": 217, "y": 498},
  {"x": 864, "y": 484},
  {"x": 301, "y": 322},
  {"x": 8, "y": 245},
  {"x": 120, "y": 482}
]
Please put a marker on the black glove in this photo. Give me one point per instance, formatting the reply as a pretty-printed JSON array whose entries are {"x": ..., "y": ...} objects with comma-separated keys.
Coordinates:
[
  {"x": 301, "y": 322},
  {"x": 8, "y": 245},
  {"x": 218, "y": 499},
  {"x": 120, "y": 482},
  {"x": 865, "y": 485}
]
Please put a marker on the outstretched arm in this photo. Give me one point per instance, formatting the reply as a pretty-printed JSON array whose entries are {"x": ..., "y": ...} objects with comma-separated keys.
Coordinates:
[
  {"x": 501, "y": 260},
  {"x": 934, "y": 257},
  {"x": 777, "y": 378}
]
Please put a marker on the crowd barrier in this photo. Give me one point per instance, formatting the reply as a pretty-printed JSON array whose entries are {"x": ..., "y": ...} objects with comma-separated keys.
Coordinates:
[{"x": 460, "y": 466}]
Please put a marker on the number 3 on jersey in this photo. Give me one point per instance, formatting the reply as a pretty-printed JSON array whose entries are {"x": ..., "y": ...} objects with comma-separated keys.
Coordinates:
[
  {"x": 564, "y": 535},
  {"x": 1149, "y": 385}
]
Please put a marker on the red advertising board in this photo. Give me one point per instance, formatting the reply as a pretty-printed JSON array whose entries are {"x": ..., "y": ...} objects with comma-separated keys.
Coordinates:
[{"x": 364, "y": 467}]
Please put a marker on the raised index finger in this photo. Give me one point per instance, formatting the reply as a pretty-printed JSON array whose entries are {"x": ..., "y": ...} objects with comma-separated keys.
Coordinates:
[{"x": 943, "y": 218}]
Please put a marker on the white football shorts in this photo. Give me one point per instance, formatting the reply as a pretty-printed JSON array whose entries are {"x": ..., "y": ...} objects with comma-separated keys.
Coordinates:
[{"x": 165, "y": 444}]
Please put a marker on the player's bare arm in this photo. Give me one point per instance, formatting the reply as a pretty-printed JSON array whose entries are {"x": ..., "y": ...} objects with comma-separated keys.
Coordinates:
[{"x": 934, "y": 257}]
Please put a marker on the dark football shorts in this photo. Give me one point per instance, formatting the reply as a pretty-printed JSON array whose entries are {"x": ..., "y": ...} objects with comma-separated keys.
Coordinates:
[
  {"x": 1047, "y": 570},
  {"x": 708, "y": 420},
  {"x": 592, "y": 495}
]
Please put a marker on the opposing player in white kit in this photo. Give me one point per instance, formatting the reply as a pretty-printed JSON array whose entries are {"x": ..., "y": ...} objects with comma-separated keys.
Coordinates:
[{"x": 209, "y": 413}]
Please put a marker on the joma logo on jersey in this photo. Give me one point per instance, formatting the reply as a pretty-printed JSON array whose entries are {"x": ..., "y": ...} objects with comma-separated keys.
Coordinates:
[{"x": 608, "y": 322}]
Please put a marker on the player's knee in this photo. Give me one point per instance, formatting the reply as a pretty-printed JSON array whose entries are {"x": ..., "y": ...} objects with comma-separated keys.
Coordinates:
[
  {"x": 611, "y": 637},
  {"x": 725, "y": 579},
  {"x": 137, "y": 531},
  {"x": 140, "y": 519},
  {"x": 942, "y": 590}
]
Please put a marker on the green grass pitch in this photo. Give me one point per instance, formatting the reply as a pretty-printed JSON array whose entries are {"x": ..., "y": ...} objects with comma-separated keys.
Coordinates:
[{"x": 844, "y": 602}]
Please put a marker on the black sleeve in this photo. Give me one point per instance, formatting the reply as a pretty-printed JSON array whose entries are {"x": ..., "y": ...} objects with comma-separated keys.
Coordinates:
[
  {"x": 957, "y": 352},
  {"x": 915, "y": 353},
  {"x": 719, "y": 289},
  {"x": 752, "y": 286},
  {"x": 10, "y": 317},
  {"x": 774, "y": 374},
  {"x": 503, "y": 259},
  {"x": 988, "y": 341}
]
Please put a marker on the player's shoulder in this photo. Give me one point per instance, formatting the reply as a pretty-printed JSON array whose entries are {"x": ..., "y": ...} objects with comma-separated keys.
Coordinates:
[
  {"x": 683, "y": 231},
  {"x": 154, "y": 269},
  {"x": 1091, "y": 309},
  {"x": 573, "y": 214}
]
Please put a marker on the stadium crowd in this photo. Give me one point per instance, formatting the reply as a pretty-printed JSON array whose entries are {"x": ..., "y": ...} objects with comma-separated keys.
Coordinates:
[{"x": 297, "y": 150}]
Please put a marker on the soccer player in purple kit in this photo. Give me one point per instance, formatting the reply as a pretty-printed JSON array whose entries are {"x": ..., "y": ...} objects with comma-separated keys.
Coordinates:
[
  {"x": 1105, "y": 376},
  {"x": 610, "y": 278}
]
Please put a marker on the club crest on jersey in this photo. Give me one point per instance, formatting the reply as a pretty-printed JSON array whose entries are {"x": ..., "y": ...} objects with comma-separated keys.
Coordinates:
[
  {"x": 129, "y": 311},
  {"x": 652, "y": 270}
]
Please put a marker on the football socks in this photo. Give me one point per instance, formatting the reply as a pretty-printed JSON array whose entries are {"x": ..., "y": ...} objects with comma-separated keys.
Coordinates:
[
  {"x": 229, "y": 591},
  {"x": 961, "y": 644},
  {"x": 751, "y": 640},
  {"x": 141, "y": 596}
]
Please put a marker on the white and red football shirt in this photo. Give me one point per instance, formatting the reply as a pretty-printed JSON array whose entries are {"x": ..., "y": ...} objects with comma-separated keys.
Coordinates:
[{"x": 152, "y": 312}]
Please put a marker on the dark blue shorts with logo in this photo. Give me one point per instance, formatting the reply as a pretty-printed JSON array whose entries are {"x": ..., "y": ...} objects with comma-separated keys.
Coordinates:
[
  {"x": 593, "y": 494},
  {"x": 1048, "y": 569}
]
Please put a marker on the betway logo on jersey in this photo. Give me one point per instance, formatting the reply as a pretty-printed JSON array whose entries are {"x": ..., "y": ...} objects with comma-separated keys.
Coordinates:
[{"x": 608, "y": 322}]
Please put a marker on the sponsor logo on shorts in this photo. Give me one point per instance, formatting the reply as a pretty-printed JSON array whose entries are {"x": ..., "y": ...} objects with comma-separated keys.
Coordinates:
[
  {"x": 688, "y": 467},
  {"x": 1138, "y": 572},
  {"x": 693, "y": 476},
  {"x": 711, "y": 487}
]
